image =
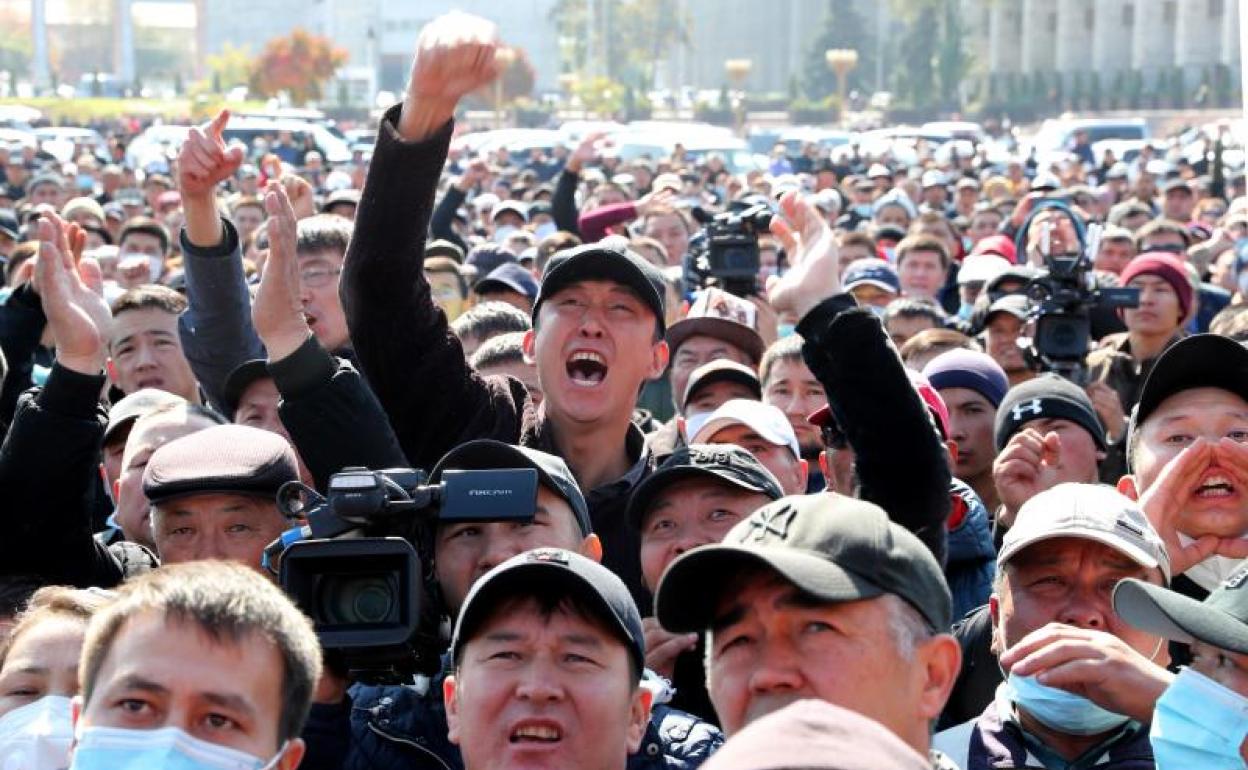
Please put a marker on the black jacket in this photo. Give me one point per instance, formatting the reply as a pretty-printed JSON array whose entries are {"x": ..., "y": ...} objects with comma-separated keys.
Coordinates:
[
  {"x": 415, "y": 364},
  {"x": 877, "y": 408},
  {"x": 49, "y": 473}
]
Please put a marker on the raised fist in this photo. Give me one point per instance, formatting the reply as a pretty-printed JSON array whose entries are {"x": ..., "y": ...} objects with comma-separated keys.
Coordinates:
[{"x": 455, "y": 56}]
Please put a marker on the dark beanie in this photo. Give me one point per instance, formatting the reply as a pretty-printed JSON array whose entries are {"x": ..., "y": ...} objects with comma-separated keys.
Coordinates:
[
  {"x": 960, "y": 368},
  {"x": 1047, "y": 396},
  {"x": 1166, "y": 267}
]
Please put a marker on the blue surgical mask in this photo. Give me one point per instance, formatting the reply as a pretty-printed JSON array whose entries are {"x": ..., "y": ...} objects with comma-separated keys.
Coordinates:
[
  {"x": 863, "y": 210},
  {"x": 545, "y": 230},
  {"x": 37, "y": 736},
  {"x": 784, "y": 330},
  {"x": 115, "y": 748},
  {"x": 1060, "y": 710},
  {"x": 965, "y": 311},
  {"x": 1198, "y": 723},
  {"x": 877, "y": 311}
]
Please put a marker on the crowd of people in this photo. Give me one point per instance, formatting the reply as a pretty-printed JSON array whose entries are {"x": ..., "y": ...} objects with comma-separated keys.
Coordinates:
[{"x": 865, "y": 511}]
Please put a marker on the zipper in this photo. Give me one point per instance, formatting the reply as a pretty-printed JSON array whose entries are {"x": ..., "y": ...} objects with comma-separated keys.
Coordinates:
[{"x": 407, "y": 742}]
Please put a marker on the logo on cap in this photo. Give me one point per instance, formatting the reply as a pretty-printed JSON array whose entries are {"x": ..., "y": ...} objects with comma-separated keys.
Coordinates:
[
  {"x": 1034, "y": 406},
  {"x": 1237, "y": 580},
  {"x": 550, "y": 555},
  {"x": 773, "y": 521}
]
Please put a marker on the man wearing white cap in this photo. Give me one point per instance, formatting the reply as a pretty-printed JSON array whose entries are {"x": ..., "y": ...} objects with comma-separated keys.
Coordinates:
[
  {"x": 974, "y": 274},
  {"x": 763, "y": 430},
  {"x": 1081, "y": 683}
]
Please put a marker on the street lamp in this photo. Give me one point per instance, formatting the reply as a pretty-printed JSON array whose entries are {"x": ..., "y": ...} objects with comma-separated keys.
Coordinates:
[
  {"x": 737, "y": 71},
  {"x": 504, "y": 58},
  {"x": 841, "y": 61}
]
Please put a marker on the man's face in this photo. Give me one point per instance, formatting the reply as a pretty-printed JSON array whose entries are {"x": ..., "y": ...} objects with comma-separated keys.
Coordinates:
[
  {"x": 161, "y": 672},
  {"x": 984, "y": 224},
  {"x": 594, "y": 346},
  {"x": 708, "y": 398},
  {"x": 892, "y": 215},
  {"x": 45, "y": 193},
  {"x": 1218, "y": 505},
  {"x": 921, "y": 274},
  {"x": 465, "y": 552},
  {"x": 542, "y": 692},
  {"x": 689, "y": 514},
  {"x": 146, "y": 352},
  {"x": 869, "y": 295},
  {"x": 1078, "y": 461},
  {"x": 1226, "y": 667},
  {"x": 42, "y": 661},
  {"x": 971, "y": 419},
  {"x": 133, "y": 513},
  {"x": 216, "y": 526},
  {"x": 934, "y": 196},
  {"x": 792, "y": 389},
  {"x": 1001, "y": 340},
  {"x": 1114, "y": 255},
  {"x": 1178, "y": 204},
  {"x": 771, "y": 645},
  {"x": 141, "y": 243},
  {"x": 248, "y": 220},
  {"x": 1067, "y": 580},
  {"x": 670, "y": 231},
  {"x": 779, "y": 459},
  {"x": 901, "y": 328},
  {"x": 1158, "y": 312},
  {"x": 446, "y": 292},
  {"x": 319, "y": 273}
]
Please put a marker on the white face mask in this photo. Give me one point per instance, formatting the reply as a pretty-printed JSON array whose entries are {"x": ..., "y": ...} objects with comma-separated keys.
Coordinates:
[
  {"x": 502, "y": 233},
  {"x": 169, "y": 748},
  {"x": 37, "y": 736},
  {"x": 545, "y": 230}
]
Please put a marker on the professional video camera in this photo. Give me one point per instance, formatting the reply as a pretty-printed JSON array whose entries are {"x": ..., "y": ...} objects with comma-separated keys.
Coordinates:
[
  {"x": 1063, "y": 297},
  {"x": 724, "y": 252},
  {"x": 362, "y": 566}
]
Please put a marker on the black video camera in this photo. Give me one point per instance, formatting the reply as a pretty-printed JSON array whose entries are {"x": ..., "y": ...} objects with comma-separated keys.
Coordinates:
[
  {"x": 724, "y": 253},
  {"x": 1064, "y": 297},
  {"x": 362, "y": 566}
]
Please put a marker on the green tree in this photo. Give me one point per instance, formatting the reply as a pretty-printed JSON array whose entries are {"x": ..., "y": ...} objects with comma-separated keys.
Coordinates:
[
  {"x": 629, "y": 38},
  {"x": 842, "y": 28},
  {"x": 915, "y": 79},
  {"x": 952, "y": 62},
  {"x": 229, "y": 68},
  {"x": 298, "y": 63}
]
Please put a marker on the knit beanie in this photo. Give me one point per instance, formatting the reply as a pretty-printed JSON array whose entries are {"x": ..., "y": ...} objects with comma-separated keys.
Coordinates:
[
  {"x": 968, "y": 369},
  {"x": 1047, "y": 396},
  {"x": 1167, "y": 267}
]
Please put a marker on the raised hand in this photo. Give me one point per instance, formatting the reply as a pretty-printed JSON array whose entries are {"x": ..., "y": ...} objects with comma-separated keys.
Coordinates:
[
  {"x": 277, "y": 310},
  {"x": 1164, "y": 503},
  {"x": 302, "y": 196},
  {"x": 815, "y": 272},
  {"x": 205, "y": 161},
  {"x": 456, "y": 54},
  {"x": 585, "y": 152},
  {"x": 78, "y": 317},
  {"x": 1026, "y": 467},
  {"x": 663, "y": 647}
]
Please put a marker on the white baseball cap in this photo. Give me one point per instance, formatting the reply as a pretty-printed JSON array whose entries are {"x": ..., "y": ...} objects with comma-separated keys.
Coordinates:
[
  {"x": 1091, "y": 512},
  {"x": 764, "y": 419},
  {"x": 981, "y": 268}
]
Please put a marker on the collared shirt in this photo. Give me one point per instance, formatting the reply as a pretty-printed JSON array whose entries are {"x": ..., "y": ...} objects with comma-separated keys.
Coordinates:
[{"x": 996, "y": 740}]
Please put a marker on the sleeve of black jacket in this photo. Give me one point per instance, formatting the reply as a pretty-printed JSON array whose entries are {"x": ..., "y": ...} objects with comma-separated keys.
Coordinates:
[
  {"x": 406, "y": 351},
  {"x": 327, "y": 734},
  {"x": 21, "y": 326},
  {"x": 444, "y": 215},
  {"x": 563, "y": 203},
  {"x": 901, "y": 465},
  {"x": 48, "y": 470},
  {"x": 333, "y": 419}
]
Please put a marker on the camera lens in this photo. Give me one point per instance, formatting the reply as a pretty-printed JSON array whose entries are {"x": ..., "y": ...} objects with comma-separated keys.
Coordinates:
[{"x": 366, "y": 599}]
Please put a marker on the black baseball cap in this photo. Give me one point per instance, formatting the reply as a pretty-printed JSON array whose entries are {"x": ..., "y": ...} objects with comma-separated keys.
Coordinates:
[
  {"x": 1046, "y": 396},
  {"x": 223, "y": 459},
  {"x": 1198, "y": 361},
  {"x": 833, "y": 547},
  {"x": 1221, "y": 620},
  {"x": 722, "y": 370},
  {"x": 727, "y": 463},
  {"x": 488, "y": 454},
  {"x": 240, "y": 379},
  {"x": 508, "y": 276},
  {"x": 550, "y": 573},
  {"x": 594, "y": 261}
]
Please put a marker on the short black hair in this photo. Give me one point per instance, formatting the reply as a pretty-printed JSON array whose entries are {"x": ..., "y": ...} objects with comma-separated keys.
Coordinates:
[
  {"x": 914, "y": 308},
  {"x": 489, "y": 319},
  {"x": 324, "y": 232},
  {"x": 500, "y": 350},
  {"x": 148, "y": 226},
  {"x": 150, "y": 296}
]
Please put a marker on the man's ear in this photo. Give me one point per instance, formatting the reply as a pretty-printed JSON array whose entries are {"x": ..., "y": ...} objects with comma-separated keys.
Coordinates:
[
  {"x": 638, "y": 718},
  {"x": 527, "y": 345},
  {"x": 941, "y": 659},
  {"x": 805, "y": 474},
  {"x": 293, "y": 755},
  {"x": 1126, "y": 485},
  {"x": 449, "y": 693},
  {"x": 591, "y": 547},
  {"x": 997, "y": 646},
  {"x": 111, "y": 368},
  {"x": 829, "y": 482},
  {"x": 659, "y": 356}
]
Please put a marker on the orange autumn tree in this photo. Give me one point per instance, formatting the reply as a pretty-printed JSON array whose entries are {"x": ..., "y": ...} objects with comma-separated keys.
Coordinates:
[{"x": 298, "y": 63}]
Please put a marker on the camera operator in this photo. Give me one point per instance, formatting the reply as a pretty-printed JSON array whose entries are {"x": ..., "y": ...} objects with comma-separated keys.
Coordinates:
[{"x": 393, "y": 726}]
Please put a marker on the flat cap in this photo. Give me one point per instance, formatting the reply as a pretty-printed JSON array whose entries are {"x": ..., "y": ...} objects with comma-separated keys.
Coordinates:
[{"x": 225, "y": 459}]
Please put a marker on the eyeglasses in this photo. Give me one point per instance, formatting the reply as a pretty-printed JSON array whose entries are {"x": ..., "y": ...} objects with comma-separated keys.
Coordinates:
[{"x": 319, "y": 277}]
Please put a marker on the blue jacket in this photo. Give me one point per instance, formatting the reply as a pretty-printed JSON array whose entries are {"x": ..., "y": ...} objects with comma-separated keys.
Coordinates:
[
  {"x": 404, "y": 728},
  {"x": 972, "y": 563}
]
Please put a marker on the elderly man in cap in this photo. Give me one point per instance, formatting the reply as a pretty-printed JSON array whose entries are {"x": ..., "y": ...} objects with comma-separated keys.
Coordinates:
[
  {"x": 1202, "y": 718},
  {"x": 1188, "y": 461},
  {"x": 763, "y": 430},
  {"x": 547, "y": 658},
  {"x": 694, "y": 498},
  {"x": 818, "y": 596},
  {"x": 1080, "y": 683}
]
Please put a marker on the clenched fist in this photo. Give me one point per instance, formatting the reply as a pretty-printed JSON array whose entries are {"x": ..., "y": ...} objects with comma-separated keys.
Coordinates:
[{"x": 455, "y": 55}]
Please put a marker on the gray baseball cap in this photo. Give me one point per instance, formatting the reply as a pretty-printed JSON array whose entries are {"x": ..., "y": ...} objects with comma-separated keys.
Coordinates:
[{"x": 1221, "y": 620}]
